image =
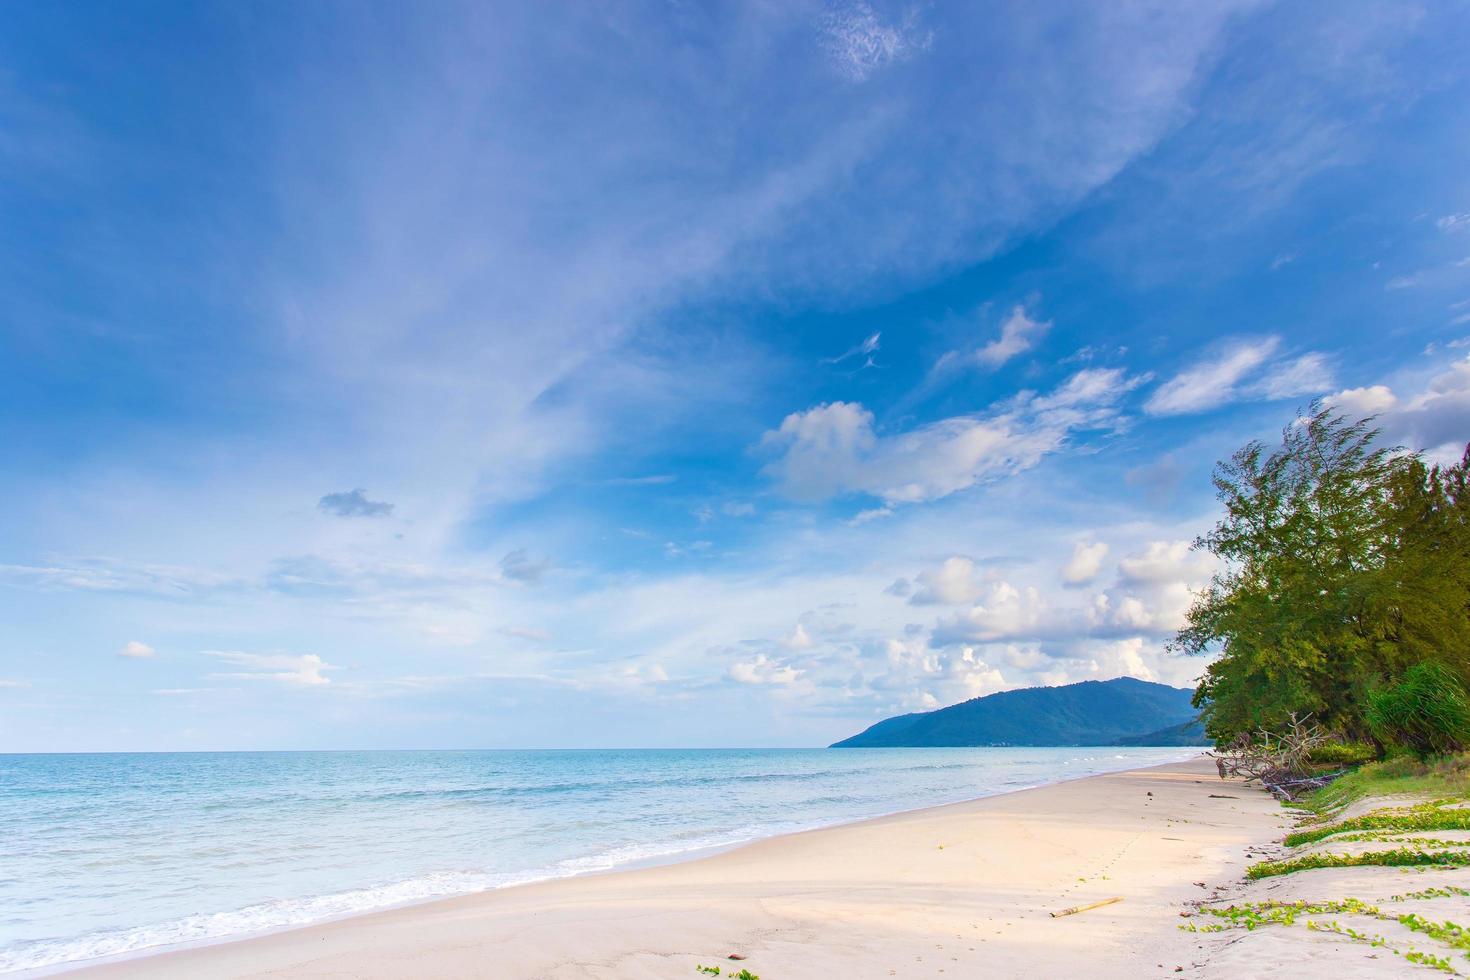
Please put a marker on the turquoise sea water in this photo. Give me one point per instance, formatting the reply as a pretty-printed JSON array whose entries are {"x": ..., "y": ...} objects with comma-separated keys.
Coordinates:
[{"x": 102, "y": 855}]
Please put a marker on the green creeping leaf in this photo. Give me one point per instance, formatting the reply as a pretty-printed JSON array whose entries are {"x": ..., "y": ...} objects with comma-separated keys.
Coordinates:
[
  {"x": 1256, "y": 914},
  {"x": 1448, "y": 891},
  {"x": 1426, "y": 816},
  {"x": 1401, "y": 857}
]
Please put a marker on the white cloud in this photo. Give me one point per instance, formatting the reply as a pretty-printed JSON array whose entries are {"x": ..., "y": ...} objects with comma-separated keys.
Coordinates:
[
  {"x": 1155, "y": 589},
  {"x": 1454, "y": 222},
  {"x": 1445, "y": 274},
  {"x": 1167, "y": 561},
  {"x": 1437, "y": 418},
  {"x": 1363, "y": 402},
  {"x": 1085, "y": 563},
  {"x": 799, "y": 639},
  {"x": 866, "y": 349},
  {"x": 134, "y": 648},
  {"x": 953, "y": 583},
  {"x": 1305, "y": 375},
  {"x": 1006, "y": 612},
  {"x": 1018, "y": 334},
  {"x": 833, "y": 449},
  {"x": 1210, "y": 383},
  {"x": 1160, "y": 608},
  {"x": 763, "y": 670},
  {"x": 13, "y": 685},
  {"x": 1239, "y": 370},
  {"x": 304, "y": 670}
]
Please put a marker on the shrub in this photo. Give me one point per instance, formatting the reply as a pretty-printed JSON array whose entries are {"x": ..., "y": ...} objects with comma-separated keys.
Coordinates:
[
  {"x": 1342, "y": 754},
  {"x": 1427, "y": 712}
]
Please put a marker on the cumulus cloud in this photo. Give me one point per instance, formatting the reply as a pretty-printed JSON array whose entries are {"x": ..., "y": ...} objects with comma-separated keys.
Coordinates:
[
  {"x": 859, "y": 42},
  {"x": 1156, "y": 587},
  {"x": 353, "y": 503},
  {"x": 1167, "y": 561},
  {"x": 1005, "y": 612},
  {"x": 1240, "y": 370},
  {"x": 763, "y": 670},
  {"x": 134, "y": 648},
  {"x": 1086, "y": 562},
  {"x": 953, "y": 583},
  {"x": 1363, "y": 402},
  {"x": 1436, "y": 419},
  {"x": 305, "y": 670},
  {"x": 834, "y": 449}
]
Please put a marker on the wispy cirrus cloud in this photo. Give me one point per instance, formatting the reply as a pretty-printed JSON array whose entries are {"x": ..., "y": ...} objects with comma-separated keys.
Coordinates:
[
  {"x": 859, "y": 42},
  {"x": 304, "y": 670},
  {"x": 1237, "y": 371}
]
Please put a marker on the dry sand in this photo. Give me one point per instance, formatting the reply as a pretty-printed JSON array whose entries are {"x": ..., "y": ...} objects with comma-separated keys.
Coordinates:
[{"x": 953, "y": 891}]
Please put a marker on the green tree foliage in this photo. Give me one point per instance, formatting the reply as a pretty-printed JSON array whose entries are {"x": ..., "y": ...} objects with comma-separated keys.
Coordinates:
[
  {"x": 1345, "y": 564},
  {"x": 1427, "y": 711}
]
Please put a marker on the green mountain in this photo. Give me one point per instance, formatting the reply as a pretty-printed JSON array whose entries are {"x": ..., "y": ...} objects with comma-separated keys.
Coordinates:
[
  {"x": 1122, "y": 711},
  {"x": 1189, "y": 733}
]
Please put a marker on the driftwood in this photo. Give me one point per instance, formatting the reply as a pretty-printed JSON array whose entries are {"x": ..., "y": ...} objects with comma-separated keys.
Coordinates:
[
  {"x": 1083, "y": 908},
  {"x": 1279, "y": 761}
]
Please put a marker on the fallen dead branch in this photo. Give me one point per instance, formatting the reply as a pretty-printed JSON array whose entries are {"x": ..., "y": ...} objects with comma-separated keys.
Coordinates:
[
  {"x": 1278, "y": 761},
  {"x": 1083, "y": 908}
]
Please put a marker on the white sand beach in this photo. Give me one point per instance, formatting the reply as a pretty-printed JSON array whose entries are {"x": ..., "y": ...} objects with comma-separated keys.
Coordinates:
[{"x": 960, "y": 890}]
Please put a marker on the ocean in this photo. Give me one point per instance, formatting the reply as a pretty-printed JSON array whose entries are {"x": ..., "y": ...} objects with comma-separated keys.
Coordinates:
[{"x": 111, "y": 854}]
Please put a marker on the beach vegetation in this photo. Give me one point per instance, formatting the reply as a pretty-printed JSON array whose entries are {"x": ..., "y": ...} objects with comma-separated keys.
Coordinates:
[
  {"x": 1344, "y": 590},
  {"x": 1442, "y": 778},
  {"x": 1422, "y": 818},
  {"x": 1254, "y": 915},
  {"x": 1337, "y": 754},
  {"x": 1399, "y": 857},
  {"x": 1426, "y": 712}
]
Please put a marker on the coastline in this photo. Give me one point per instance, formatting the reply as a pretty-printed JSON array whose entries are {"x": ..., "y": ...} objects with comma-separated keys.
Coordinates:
[{"x": 907, "y": 894}]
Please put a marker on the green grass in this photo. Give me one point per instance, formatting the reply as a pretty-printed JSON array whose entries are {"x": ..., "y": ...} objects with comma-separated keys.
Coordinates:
[
  {"x": 1446, "y": 776},
  {"x": 1402, "y": 857}
]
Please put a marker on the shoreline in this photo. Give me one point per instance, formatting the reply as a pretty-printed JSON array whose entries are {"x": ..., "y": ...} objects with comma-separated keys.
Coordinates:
[
  {"x": 722, "y": 889},
  {"x": 560, "y": 871}
]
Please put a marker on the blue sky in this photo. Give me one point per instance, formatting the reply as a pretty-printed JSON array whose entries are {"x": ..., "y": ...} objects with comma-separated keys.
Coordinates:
[{"x": 672, "y": 374}]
